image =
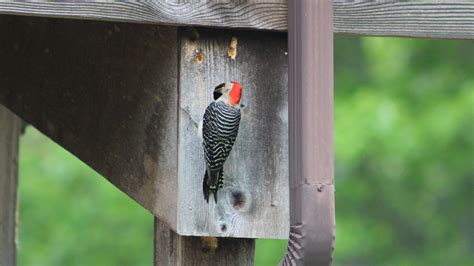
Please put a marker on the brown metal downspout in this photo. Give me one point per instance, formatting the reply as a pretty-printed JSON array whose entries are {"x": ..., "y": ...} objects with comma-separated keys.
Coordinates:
[{"x": 312, "y": 215}]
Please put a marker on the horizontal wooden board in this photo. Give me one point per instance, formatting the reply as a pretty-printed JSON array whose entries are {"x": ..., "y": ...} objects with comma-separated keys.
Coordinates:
[{"x": 426, "y": 19}]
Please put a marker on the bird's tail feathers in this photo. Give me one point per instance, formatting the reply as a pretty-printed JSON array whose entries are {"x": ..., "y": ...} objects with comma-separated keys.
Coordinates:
[{"x": 208, "y": 187}]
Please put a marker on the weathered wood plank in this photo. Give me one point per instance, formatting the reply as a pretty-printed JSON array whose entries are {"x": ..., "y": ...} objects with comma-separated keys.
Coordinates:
[
  {"x": 427, "y": 19},
  {"x": 9, "y": 133},
  {"x": 241, "y": 14},
  {"x": 172, "y": 249},
  {"x": 107, "y": 92},
  {"x": 111, "y": 94},
  {"x": 254, "y": 200}
]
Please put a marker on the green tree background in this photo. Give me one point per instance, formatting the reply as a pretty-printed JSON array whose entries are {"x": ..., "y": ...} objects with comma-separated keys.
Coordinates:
[{"x": 404, "y": 140}]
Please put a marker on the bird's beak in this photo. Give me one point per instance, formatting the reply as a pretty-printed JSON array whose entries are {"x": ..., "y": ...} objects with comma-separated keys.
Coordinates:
[{"x": 218, "y": 92}]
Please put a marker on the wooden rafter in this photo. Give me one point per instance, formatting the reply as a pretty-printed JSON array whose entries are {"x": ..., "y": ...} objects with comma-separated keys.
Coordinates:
[{"x": 425, "y": 19}]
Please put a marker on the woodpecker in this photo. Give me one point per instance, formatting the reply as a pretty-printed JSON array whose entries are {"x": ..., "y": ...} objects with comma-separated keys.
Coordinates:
[{"x": 218, "y": 131}]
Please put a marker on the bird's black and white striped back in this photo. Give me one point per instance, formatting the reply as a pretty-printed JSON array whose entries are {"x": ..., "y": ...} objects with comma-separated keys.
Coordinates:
[{"x": 219, "y": 131}]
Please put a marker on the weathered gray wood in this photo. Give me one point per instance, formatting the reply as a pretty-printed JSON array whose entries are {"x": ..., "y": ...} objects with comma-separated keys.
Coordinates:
[
  {"x": 107, "y": 92},
  {"x": 172, "y": 249},
  {"x": 9, "y": 132},
  {"x": 254, "y": 200},
  {"x": 427, "y": 19},
  {"x": 267, "y": 14}
]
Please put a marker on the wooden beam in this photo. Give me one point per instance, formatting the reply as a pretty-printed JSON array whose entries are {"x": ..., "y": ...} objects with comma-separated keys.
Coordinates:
[
  {"x": 433, "y": 19},
  {"x": 236, "y": 14},
  {"x": 106, "y": 92},
  {"x": 9, "y": 135},
  {"x": 438, "y": 19},
  {"x": 172, "y": 249}
]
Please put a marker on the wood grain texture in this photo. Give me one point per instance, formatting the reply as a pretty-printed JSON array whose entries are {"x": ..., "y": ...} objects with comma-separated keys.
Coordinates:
[
  {"x": 427, "y": 19},
  {"x": 9, "y": 135},
  {"x": 106, "y": 92},
  {"x": 241, "y": 14},
  {"x": 172, "y": 249},
  {"x": 256, "y": 171}
]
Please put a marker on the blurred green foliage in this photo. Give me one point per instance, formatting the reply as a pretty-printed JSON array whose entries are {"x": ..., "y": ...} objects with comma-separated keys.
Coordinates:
[
  {"x": 404, "y": 145},
  {"x": 70, "y": 215},
  {"x": 404, "y": 140}
]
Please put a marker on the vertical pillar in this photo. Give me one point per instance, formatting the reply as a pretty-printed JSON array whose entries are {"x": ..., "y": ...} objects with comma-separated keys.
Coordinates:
[
  {"x": 311, "y": 160},
  {"x": 9, "y": 132},
  {"x": 172, "y": 249}
]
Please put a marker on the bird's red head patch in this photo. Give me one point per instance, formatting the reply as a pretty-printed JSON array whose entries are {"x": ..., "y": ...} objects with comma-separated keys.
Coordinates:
[{"x": 235, "y": 93}]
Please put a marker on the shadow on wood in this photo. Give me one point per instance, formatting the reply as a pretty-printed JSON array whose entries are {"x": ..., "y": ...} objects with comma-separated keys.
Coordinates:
[
  {"x": 104, "y": 91},
  {"x": 123, "y": 98}
]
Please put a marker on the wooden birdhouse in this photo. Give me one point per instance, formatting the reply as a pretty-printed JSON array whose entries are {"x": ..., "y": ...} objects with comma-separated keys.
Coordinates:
[
  {"x": 254, "y": 199},
  {"x": 126, "y": 99}
]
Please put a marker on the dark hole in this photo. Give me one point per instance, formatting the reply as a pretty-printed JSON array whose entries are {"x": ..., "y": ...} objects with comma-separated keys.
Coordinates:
[
  {"x": 223, "y": 227},
  {"x": 238, "y": 200}
]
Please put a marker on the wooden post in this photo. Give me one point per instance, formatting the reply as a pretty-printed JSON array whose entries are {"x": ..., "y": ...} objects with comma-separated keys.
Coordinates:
[
  {"x": 9, "y": 132},
  {"x": 172, "y": 249}
]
